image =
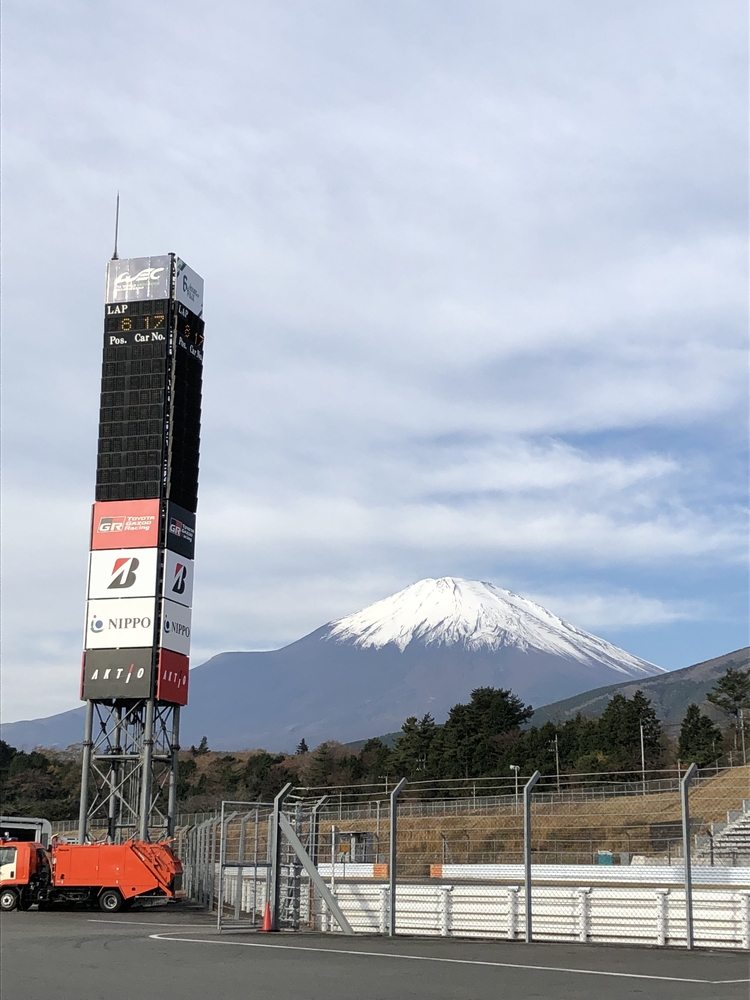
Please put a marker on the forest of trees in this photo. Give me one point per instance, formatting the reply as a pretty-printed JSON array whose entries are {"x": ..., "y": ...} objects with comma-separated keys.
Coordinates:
[{"x": 481, "y": 738}]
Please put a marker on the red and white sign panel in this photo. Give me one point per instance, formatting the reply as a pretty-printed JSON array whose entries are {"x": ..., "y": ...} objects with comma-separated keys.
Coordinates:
[
  {"x": 125, "y": 524},
  {"x": 127, "y": 622},
  {"x": 122, "y": 573},
  {"x": 175, "y": 627},
  {"x": 178, "y": 578},
  {"x": 172, "y": 677}
]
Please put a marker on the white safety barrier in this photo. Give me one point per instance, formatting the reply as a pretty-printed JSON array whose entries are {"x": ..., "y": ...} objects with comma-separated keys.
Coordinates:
[
  {"x": 720, "y": 877},
  {"x": 627, "y": 914},
  {"x": 610, "y": 908}
]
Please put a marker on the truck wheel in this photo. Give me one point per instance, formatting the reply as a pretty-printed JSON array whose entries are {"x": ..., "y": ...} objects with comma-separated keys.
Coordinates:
[
  {"x": 8, "y": 900},
  {"x": 110, "y": 901}
]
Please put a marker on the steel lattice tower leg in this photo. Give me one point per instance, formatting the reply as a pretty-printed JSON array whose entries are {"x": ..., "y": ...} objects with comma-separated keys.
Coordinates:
[{"x": 129, "y": 770}]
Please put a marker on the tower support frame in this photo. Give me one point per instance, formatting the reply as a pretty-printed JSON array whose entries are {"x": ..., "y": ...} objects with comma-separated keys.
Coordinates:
[{"x": 129, "y": 771}]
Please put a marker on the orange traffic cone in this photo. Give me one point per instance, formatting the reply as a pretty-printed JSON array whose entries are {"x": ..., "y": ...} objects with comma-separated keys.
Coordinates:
[{"x": 267, "y": 925}]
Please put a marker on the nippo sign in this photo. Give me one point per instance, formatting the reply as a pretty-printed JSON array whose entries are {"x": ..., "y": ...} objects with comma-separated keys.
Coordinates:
[{"x": 120, "y": 623}]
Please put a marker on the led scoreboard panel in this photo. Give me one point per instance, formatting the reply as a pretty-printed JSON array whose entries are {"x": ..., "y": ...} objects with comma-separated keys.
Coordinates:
[{"x": 143, "y": 524}]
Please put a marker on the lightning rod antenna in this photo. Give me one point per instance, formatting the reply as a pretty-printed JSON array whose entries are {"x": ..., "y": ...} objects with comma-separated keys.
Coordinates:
[{"x": 117, "y": 226}]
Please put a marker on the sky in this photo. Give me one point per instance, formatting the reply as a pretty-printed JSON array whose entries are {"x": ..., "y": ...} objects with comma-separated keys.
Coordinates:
[{"x": 476, "y": 305}]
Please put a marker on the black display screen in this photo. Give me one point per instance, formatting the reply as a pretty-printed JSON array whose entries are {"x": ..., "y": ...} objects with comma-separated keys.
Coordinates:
[{"x": 150, "y": 410}]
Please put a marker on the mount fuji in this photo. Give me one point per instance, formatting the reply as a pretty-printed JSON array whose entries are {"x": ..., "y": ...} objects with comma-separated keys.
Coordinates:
[{"x": 420, "y": 650}]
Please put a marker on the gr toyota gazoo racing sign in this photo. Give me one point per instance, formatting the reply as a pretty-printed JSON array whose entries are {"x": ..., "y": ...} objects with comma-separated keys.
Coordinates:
[
  {"x": 123, "y": 573},
  {"x": 180, "y": 530},
  {"x": 125, "y": 524}
]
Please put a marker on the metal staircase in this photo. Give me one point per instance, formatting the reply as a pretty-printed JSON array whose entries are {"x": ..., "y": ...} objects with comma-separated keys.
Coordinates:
[{"x": 726, "y": 843}]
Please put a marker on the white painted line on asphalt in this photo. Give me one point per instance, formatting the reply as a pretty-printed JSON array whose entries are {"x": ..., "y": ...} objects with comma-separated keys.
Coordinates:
[
  {"x": 450, "y": 961},
  {"x": 148, "y": 923}
]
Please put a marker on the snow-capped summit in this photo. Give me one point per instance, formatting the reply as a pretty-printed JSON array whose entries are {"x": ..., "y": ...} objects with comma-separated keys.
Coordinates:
[{"x": 479, "y": 616}]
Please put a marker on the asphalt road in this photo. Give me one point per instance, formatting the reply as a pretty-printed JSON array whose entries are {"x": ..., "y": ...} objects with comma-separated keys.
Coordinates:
[{"x": 176, "y": 955}]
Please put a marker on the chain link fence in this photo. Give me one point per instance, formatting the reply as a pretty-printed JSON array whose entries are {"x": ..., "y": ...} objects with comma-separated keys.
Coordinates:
[{"x": 584, "y": 858}]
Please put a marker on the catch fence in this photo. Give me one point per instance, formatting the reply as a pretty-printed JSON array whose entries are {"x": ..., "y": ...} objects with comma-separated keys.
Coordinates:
[{"x": 598, "y": 858}]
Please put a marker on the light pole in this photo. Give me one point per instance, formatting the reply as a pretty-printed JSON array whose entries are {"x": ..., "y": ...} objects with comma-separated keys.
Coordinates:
[
  {"x": 557, "y": 762},
  {"x": 516, "y": 768},
  {"x": 741, "y": 714},
  {"x": 643, "y": 758}
]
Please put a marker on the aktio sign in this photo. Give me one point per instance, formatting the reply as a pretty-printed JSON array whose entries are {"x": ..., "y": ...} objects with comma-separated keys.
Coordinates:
[
  {"x": 172, "y": 677},
  {"x": 117, "y": 673},
  {"x": 126, "y": 524},
  {"x": 120, "y": 623},
  {"x": 122, "y": 573}
]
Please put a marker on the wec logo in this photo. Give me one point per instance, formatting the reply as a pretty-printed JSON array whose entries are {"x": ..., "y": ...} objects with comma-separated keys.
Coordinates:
[{"x": 126, "y": 283}]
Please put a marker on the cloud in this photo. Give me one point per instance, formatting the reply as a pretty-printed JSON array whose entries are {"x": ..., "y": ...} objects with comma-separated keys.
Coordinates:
[
  {"x": 476, "y": 300},
  {"x": 622, "y": 610}
]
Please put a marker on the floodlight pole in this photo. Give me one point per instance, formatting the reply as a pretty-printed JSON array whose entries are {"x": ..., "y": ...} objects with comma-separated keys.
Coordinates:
[
  {"x": 392, "y": 856},
  {"x": 527, "y": 847},
  {"x": 684, "y": 798},
  {"x": 516, "y": 768}
]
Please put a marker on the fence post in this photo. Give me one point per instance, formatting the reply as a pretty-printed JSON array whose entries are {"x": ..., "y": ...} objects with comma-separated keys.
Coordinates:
[
  {"x": 527, "y": 847},
  {"x": 392, "y": 857},
  {"x": 222, "y": 859},
  {"x": 684, "y": 796},
  {"x": 274, "y": 894}
]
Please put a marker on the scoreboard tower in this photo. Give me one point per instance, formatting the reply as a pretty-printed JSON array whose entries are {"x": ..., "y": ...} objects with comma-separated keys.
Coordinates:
[{"x": 134, "y": 676}]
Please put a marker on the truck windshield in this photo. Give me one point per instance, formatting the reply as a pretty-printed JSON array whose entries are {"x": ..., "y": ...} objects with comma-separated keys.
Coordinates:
[{"x": 7, "y": 856}]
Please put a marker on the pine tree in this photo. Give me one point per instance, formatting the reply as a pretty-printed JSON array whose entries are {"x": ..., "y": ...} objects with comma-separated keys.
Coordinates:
[
  {"x": 472, "y": 740},
  {"x": 731, "y": 694},
  {"x": 322, "y": 763},
  {"x": 616, "y": 737},
  {"x": 376, "y": 759},
  {"x": 302, "y": 747},
  {"x": 412, "y": 755},
  {"x": 700, "y": 739}
]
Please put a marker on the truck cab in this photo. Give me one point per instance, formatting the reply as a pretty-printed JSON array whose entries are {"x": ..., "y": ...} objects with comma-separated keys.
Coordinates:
[{"x": 24, "y": 873}]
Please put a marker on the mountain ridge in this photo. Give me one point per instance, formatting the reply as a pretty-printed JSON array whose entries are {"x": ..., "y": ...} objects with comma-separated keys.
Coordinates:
[{"x": 421, "y": 650}]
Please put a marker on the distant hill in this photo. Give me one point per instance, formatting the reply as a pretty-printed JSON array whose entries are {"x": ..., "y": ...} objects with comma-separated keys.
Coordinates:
[{"x": 670, "y": 693}]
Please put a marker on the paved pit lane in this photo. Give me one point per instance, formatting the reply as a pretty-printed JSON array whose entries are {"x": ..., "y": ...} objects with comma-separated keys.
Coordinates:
[{"x": 176, "y": 954}]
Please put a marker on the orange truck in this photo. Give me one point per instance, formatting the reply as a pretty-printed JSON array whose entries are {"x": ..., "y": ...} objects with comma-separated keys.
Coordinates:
[{"x": 112, "y": 875}]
